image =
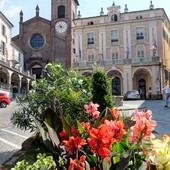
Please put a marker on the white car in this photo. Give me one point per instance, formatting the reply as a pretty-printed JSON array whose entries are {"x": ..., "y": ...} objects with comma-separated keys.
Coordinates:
[{"x": 132, "y": 94}]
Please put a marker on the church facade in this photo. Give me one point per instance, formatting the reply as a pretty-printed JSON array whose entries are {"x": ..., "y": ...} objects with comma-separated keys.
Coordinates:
[{"x": 45, "y": 41}]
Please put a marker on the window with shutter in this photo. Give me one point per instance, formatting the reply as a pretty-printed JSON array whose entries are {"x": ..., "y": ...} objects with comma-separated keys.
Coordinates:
[{"x": 114, "y": 37}]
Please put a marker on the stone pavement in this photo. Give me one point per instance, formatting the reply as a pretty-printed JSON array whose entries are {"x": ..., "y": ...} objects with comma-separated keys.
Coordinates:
[{"x": 160, "y": 113}]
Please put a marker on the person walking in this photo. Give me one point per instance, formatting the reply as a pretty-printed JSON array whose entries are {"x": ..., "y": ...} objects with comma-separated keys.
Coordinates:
[{"x": 166, "y": 90}]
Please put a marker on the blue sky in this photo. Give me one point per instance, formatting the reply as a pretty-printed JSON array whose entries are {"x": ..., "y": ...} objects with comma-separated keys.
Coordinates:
[{"x": 11, "y": 8}]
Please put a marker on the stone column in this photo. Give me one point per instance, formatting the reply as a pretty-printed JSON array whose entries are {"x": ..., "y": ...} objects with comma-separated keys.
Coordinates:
[
  {"x": 9, "y": 78},
  {"x": 28, "y": 83},
  {"x": 19, "y": 84}
]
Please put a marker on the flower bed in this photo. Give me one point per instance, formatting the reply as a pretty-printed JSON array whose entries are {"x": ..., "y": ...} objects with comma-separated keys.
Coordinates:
[{"x": 105, "y": 142}]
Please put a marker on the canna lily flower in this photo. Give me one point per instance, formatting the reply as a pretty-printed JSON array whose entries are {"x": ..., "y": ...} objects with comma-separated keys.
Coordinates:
[
  {"x": 115, "y": 113},
  {"x": 86, "y": 126},
  {"x": 144, "y": 126},
  {"x": 77, "y": 164},
  {"x": 92, "y": 109},
  {"x": 160, "y": 154},
  {"x": 103, "y": 137},
  {"x": 79, "y": 142},
  {"x": 74, "y": 143}
]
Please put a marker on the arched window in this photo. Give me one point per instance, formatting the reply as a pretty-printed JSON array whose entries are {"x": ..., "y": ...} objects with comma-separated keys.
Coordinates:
[
  {"x": 90, "y": 23},
  {"x": 116, "y": 86},
  {"x": 61, "y": 11},
  {"x": 114, "y": 18},
  {"x": 37, "y": 70}
]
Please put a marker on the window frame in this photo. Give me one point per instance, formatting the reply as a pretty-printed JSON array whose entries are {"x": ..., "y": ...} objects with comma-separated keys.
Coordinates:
[
  {"x": 140, "y": 53},
  {"x": 90, "y": 58},
  {"x": 37, "y": 44},
  {"x": 61, "y": 11},
  {"x": 140, "y": 33},
  {"x": 115, "y": 56},
  {"x": 90, "y": 38},
  {"x": 3, "y": 30},
  {"x": 114, "y": 37}
]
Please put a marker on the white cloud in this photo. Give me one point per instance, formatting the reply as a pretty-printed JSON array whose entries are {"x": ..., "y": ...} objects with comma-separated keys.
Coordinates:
[
  {"x": 3, "y": 3},
  {"x": 10, "y": 10}
]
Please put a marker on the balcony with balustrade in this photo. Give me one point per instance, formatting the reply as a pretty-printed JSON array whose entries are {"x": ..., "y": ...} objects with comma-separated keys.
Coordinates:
[
  {"x": 15, "y": 59},
  {"x": 128, "y": 61}
]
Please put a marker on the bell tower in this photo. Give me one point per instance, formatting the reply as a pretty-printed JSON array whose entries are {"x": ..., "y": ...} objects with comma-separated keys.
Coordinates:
[{"x": 63, "y": 12}]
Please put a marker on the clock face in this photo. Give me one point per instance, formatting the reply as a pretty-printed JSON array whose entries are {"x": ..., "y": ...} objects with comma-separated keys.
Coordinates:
[{"x": 61, "y": 26}]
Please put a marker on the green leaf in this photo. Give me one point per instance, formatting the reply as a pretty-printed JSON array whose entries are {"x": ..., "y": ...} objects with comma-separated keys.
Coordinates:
[
  {"x": 143, "y": 166},
  {"x": 80, "y": 128},
  {"x": 92, "y": 159},
  {"x": 87, "y": 165},
  {"x": 103, "y": 119},
  {"x": 52, "y": 119},
  {"x": 116, "y": 148},
  {"x": 44, "y": 134},
  {"x": 106, "y": 165},
  {"x": 66, "y": 125},
  {"x": 124, "y": 161},
  {"x": 53, "y": 135},
  {"x": 68, "y": 119}
]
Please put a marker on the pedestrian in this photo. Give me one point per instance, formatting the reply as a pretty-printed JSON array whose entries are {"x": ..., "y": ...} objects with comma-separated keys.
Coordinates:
[{"x": 166, "y": 90}]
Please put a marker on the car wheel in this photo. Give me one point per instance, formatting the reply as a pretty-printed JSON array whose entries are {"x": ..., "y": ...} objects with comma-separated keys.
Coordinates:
[{"x": 3, "y": 104}]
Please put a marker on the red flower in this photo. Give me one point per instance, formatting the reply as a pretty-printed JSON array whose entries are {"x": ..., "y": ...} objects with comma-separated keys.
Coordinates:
[
  {"x": 103, "y": 137},
  {"x": 86, "y": 126},
  {"x": 74, "y": 132},
  {"x": 77, "y": 164},
  {"x": 63, "y": 134},
  {"x": 69, "y": 145},
  {"x": 74, "y": 143},
  {"x": 79, "y": 142},
  {"x": 115, "y": 113}
]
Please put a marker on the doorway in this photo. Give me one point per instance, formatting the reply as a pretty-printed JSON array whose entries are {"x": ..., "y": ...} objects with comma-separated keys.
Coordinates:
[
  {"x": 116, "y": 86},
  {"x": 142, "y": 88}
]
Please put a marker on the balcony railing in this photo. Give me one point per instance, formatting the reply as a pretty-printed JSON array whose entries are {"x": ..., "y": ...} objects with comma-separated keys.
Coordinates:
[
  {"x": 128, "y": 61},
  {"x": 15, "y": 59}
]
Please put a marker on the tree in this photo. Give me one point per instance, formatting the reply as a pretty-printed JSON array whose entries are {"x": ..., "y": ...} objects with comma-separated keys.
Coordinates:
[{"x": 101, "y": 92}]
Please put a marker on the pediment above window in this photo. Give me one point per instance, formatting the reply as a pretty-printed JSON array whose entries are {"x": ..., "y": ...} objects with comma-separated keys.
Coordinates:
[{"x": 113, "y": 13}]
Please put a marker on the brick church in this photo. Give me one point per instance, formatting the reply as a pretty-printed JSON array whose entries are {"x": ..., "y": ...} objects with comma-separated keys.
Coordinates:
[{"x": 45, "y": 41}]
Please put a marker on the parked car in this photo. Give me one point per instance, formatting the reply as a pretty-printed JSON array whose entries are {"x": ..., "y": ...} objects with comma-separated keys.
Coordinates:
[
  {"x": 132, "y": 94},
  {"x": 4, "y": 99}
]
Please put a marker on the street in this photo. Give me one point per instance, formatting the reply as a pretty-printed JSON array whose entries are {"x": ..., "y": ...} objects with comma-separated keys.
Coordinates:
[{"x": 11, "y": 138}]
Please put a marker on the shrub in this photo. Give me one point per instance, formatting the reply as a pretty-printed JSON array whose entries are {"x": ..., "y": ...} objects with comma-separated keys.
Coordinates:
[
  {"x": 59, "y": 89},
  {"x": 101, "y": 90}
]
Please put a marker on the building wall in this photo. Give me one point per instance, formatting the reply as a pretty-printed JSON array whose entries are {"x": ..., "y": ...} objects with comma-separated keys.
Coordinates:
[
  {"x": 12, "y": 71},
  {"x": 132, "y": 70}
]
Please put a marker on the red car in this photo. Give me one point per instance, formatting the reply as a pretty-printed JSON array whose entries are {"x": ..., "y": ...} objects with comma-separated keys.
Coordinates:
[{"x": 4, "y": 99}]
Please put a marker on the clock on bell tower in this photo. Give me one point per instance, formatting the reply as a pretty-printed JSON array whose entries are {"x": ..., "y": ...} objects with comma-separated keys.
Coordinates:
[{"x": 63, "y": 12}]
